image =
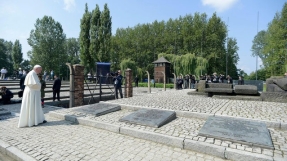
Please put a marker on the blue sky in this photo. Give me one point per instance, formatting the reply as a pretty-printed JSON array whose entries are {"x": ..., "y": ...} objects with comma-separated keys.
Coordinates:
[{"x": 17, "y": 17}]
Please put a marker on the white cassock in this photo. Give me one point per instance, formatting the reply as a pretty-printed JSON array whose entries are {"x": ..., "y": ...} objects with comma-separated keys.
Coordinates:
[{"x": 31, "y": 109}]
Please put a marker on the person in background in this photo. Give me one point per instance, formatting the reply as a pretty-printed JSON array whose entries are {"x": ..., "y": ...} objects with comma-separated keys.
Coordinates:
[
  {"x": 52, "y": 74},
  {"x": 20, "y": 73},
  {"x": 89, "y": 76},
  {"x": 192, "y": 81},
  {"x": 229, "y": 80},
  {"x": 3, "y": 73},
  {"x": 136, "y": 81},
  {"x": 45, "y": 74},
  {"x": 22, "y": 80},
  {"x": 6, "y": 95},
  {"x": 118, "y": 84},
  {"x": 285, "y": 75},
  {"x": 240, "y": 81},
  {"x": 56, "y": 88},
  {"x": 43, "y": 86}
]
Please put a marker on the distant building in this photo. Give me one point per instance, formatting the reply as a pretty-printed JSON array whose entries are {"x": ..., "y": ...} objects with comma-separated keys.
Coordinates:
[{"x": 161, "y": 65}]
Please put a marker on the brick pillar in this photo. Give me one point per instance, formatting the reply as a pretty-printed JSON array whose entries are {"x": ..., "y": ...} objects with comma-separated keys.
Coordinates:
[
  {"x": 79, "y": 84},
  {"x": 128, "y": 83}
]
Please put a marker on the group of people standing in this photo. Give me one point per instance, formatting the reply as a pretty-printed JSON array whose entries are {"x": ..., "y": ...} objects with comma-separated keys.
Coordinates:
[
  {"x": 188, "y": 81},
  {"x": 214, "y": 78}
]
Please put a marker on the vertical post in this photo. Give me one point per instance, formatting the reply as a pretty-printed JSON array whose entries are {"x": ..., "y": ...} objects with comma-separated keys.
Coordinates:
[
  {"x": 100, "y": 87},
  {"x": 164, "y": 81},
  {"x": 79, "y": 84},
  {"x": 148, "y": 80},
  {"x": 72, "y": 87},
  {"x": 128, "y": 83},
  {"x": 174, "y": 81}
]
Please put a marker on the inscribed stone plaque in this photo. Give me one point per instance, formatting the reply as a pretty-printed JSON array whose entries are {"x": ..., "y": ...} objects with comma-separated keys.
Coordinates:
[
  {"x": 99, "y": 109},
  {"x": 237, "y": 130},
  {"x": 150, "y": 117}
]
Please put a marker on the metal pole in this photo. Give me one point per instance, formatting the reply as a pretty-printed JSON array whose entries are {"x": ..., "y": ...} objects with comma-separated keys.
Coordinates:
[
  {"x": 227, "y": 47},
  {"x": 257, "y": 45}
]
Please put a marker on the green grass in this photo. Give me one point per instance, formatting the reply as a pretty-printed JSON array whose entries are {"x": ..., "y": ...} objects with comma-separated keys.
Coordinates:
[{"x": 264, "y": 87}]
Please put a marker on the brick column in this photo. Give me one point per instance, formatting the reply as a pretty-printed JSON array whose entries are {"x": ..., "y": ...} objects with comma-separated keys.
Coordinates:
[
  {"x": 128, "y": 83},
  {"x": 79, "y": 84}
]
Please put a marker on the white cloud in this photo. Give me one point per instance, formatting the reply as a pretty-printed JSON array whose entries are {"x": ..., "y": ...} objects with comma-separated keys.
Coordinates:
[
  {"x": 69, "y": 4},
  {"x": 219, "y": 5}
]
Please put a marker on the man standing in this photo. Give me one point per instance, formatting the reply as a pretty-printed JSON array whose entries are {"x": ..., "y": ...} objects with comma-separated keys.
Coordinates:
[
  {"x": 118, "y": 84},
  {"x": 240, "y": 81},
  {"x": 31, "y": 112},
  {"x": 56, "y": 88},
  {"x": 136, "y": 81},
  {"x": 3, "y": 73}
]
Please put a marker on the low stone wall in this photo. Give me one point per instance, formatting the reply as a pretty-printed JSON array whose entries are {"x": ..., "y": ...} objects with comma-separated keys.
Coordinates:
[
  {"x": 245, "y": 89},
  {"x": 218, "y": 85}
]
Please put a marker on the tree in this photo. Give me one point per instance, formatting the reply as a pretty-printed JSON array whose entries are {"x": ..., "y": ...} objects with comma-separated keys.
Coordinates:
[
  {"x": 25, "y": 65},
  {"x": 259, "y": 42},
  {"x": 95, "y": 34},
  {"x": 17, "y": 55},
  {"x": 73, "y": 49},
  {"x": 5, "y": 55},
  {"x": 105, "y": 35},
  {"x": 232, "y": 57},
  {"x": 48, "y": 44},
  {"x": 86, "y": 58}
]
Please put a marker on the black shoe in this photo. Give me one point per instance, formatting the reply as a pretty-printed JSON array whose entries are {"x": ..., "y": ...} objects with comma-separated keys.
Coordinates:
[{"x": 44, "y": 121}]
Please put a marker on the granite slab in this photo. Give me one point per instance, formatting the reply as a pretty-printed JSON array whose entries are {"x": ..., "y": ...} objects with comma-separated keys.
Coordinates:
[
  {"x": 149, "y": 117},
  {"x": 99, "y": 109},
  {"x": 236, "y": 130}
]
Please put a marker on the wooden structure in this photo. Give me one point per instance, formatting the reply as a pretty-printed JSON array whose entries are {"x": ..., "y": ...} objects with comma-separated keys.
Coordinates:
[{"x": 161, "y": 65}]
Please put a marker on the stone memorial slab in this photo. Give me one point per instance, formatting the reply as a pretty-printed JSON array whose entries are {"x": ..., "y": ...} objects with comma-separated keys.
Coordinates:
[
  {"x": 242, "y": 131},
  {"x": 219, "y": 85},
  {"x": 150, "y": 117},
  {"x": 4, "y": 112},
  {"x": 99, "y": 109}
]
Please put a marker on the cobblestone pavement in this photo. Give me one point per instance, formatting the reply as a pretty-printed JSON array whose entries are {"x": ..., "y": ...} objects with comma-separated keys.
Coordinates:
[
  {"x": 179, "y": 100},
  {"x": 188, "y": 128},
  {"x": 61, "y": 140}
]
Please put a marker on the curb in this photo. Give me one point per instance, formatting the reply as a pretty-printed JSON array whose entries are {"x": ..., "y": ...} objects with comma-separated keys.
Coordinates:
[
  {"x": 14, "y": 152},
  {"x": 270, "y": 124},
  {"x": 202, "y": 147}
]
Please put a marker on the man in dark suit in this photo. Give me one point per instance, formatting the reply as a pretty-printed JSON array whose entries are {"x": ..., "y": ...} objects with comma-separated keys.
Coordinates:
[
  {"x": 22, "y": 80},
  {"x": 56, "y": 88}
]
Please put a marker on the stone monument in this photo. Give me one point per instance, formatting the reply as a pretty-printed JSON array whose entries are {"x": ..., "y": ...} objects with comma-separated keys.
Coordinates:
[
  {"x": 276, "y": 90},
  {"x": 242, "y": 131},
  {"x": 150, "y": 117},
  {"x": 98, "y": 109},
  {"x": 128, "y": 83}
]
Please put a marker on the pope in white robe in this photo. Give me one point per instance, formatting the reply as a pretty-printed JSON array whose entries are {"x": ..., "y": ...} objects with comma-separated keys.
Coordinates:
[{"x": 31, "y": 110}]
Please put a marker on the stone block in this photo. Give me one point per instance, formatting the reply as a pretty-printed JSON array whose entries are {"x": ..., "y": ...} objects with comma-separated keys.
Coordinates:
[
  {"x": 203, "y": 147},
  {"x": 4, "y": 112},
  {"x": 98, "y": 109},
  {"x": 239, "y": 155},
  {"x": 237, "y": 130},
  {"x": 245, "y": 89},
  {"x": 273, "y": 88},
  {"x": 219, "y": 90},
  {"x": 150, "y": 117},
  {"x": 274, "y": 96},
  {"x": 201, "y": 86},
  {"x": 218, "y": 85},
  {"x": 155, "y": 137},
  {"x": 269, "y": 81},
  {"x": 282, "y": 83}
]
